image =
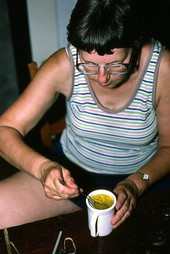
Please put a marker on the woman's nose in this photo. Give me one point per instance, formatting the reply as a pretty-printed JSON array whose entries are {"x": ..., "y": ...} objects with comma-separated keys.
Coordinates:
[{"x": 103, "y": 76}]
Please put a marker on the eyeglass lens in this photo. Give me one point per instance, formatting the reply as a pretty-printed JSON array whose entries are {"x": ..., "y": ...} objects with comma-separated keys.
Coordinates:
[{"x": 94, "y": 69}]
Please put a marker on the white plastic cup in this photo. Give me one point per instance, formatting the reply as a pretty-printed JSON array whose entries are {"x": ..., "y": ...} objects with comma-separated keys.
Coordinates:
[{"x": 99, "y": 220}]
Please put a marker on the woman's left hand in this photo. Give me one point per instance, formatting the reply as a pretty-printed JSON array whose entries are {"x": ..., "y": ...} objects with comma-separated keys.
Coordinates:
[{"x": 127, "y": 194}]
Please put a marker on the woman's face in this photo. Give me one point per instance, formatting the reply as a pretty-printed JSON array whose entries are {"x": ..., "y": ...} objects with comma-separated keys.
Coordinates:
[{"x": 103, "y": 78}]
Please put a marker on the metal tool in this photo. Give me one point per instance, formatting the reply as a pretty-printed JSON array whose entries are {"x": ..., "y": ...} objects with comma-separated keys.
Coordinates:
[{"x": 91, "y": 201}]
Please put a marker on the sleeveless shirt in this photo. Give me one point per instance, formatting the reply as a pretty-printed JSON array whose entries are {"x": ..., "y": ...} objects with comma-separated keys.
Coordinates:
[{"x": 108, "y": 141}]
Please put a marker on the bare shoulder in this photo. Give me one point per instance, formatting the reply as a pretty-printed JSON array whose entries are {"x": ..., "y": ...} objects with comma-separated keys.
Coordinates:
[
  {"x": 165, "y": 65},
  {"x": 163, "y": 81},
  {"x": 53, "y": 77},
  {"x": 163, "y": 100},
  {"x": 57, "y": 69}
]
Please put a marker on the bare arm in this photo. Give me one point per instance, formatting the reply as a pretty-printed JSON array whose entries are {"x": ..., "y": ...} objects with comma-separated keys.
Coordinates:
[
  {"x": 54, "y": 76},
  {"x": 159, "y": 166}
]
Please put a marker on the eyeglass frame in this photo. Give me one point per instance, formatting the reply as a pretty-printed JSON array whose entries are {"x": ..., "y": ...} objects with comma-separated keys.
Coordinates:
[{"x": 128, "y": 66}]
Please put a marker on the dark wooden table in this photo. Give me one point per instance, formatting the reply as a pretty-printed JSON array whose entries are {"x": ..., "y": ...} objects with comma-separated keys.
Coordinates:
[{"x": 146, "y": 231}]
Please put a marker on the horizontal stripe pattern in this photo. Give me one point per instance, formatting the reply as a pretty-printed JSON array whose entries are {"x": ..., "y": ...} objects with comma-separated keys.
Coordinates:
[{"x": 108, "y": 142}]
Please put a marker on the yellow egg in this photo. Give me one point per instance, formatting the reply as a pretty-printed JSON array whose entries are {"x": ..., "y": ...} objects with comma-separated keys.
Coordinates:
[{"x": 102, "y": 200}]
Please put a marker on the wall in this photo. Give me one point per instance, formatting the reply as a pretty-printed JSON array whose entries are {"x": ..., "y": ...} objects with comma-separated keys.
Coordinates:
[
  {"x": 47, "y": 24},
  {"x": 63, "y": 11},
  {"x": 42, "y": 25}
]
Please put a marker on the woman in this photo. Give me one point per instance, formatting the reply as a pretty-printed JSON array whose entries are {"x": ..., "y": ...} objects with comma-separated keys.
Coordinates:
[{"x": 115, "y": 80}]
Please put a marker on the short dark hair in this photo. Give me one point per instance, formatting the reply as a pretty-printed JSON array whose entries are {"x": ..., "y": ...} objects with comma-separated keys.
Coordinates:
[{"x": 102, "y": 25}]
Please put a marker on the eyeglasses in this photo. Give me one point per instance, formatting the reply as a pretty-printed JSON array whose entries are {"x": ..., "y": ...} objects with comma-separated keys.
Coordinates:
[{"x": 112, "y": 69}]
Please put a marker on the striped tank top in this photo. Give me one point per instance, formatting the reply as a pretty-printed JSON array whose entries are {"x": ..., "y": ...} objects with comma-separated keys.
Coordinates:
[{"x": 108, "y": 141}]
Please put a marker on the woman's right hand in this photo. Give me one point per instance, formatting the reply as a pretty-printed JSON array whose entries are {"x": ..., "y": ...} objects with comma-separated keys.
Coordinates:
[{"x": 53, "y": 188}]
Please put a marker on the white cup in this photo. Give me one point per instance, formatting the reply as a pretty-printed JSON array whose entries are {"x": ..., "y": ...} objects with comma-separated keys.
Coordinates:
[{"x": 99, "y": 220}]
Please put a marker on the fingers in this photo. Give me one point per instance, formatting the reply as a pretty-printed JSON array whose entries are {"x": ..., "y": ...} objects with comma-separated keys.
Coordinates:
[
  {"x": 126, "y": 202},
  {"x": 68, "y": 179},
  {"x": 55, "y": 189},
  {"x": 123, "y": 213},
  {"x": 121, "y": 198}
]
